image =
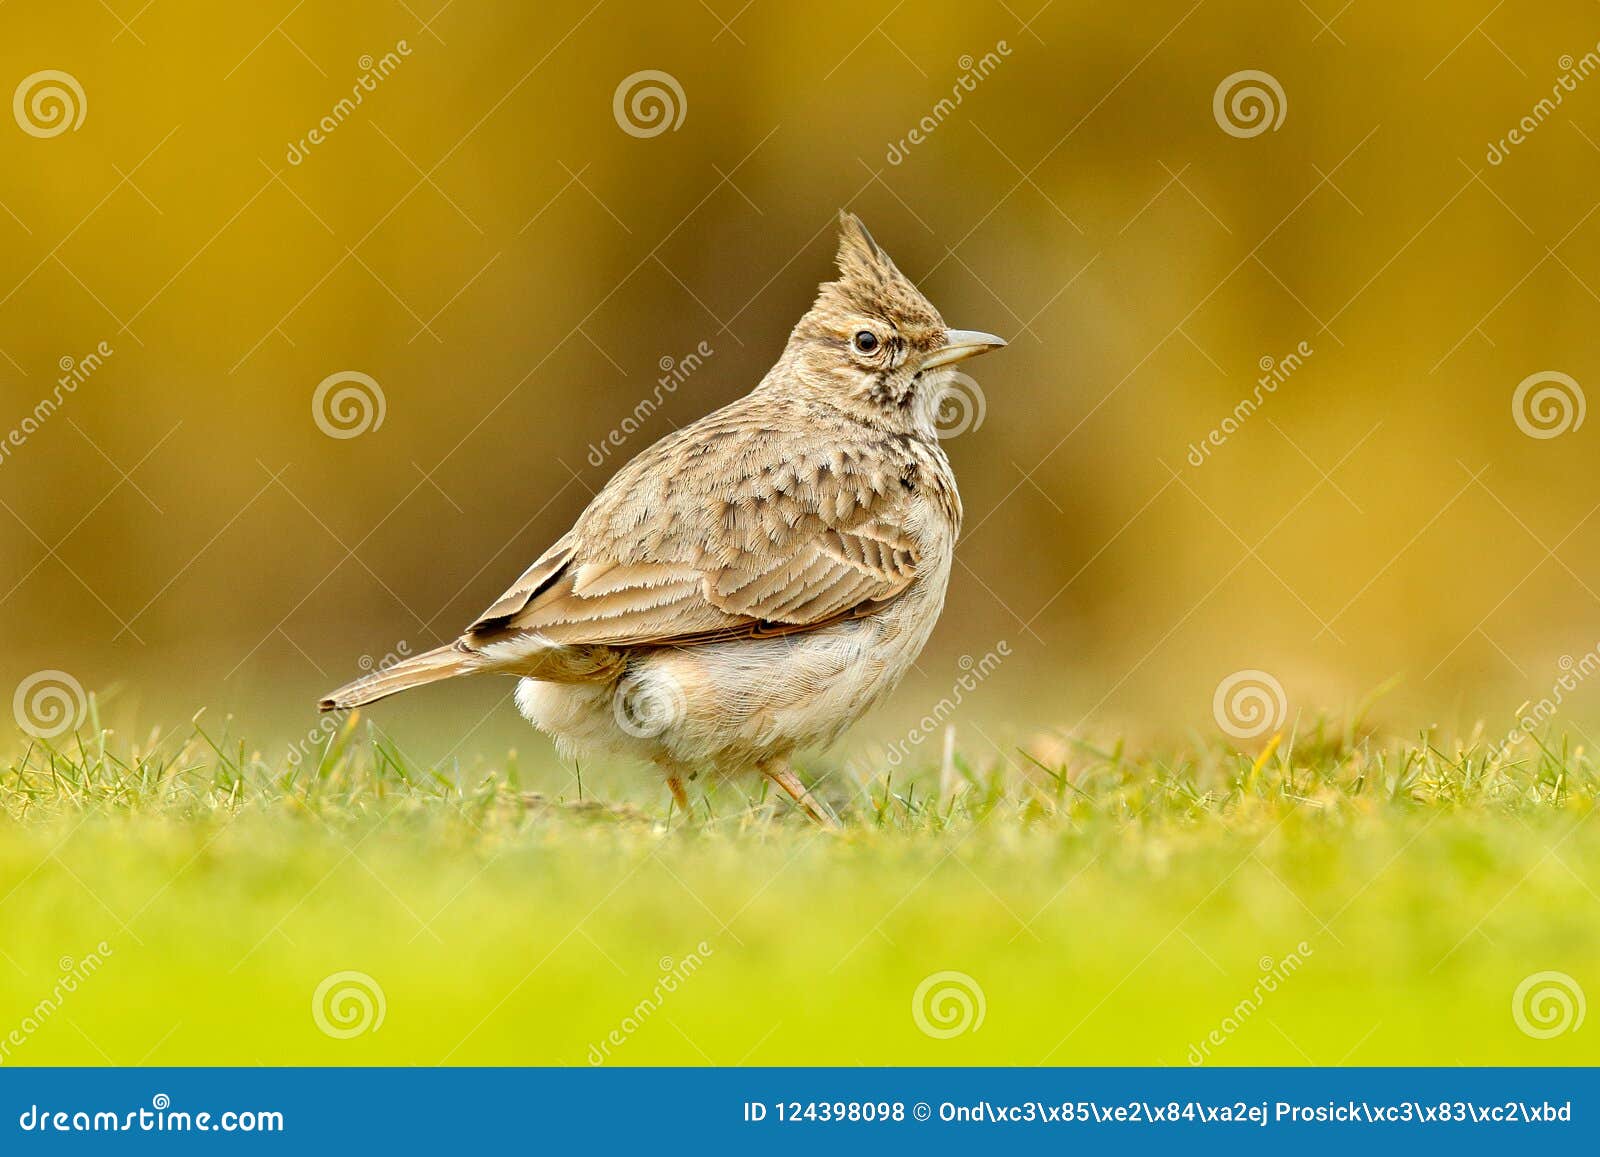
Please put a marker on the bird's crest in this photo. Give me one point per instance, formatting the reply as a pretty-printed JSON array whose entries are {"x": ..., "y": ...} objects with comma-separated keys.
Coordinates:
[
  {"x": 869, "y": 281},
  {"x": 860, "y": 258}
]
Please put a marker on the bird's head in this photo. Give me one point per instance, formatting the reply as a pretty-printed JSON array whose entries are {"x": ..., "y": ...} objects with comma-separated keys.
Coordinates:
[{"x": 873, "y": 345}]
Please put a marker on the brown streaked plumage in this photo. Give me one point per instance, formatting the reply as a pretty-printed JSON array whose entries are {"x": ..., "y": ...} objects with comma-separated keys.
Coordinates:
[{"x": 754, "y": 582}]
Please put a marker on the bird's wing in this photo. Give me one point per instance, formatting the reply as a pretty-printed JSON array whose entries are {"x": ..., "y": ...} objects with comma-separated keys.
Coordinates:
[{"x": 728, "y": 529}]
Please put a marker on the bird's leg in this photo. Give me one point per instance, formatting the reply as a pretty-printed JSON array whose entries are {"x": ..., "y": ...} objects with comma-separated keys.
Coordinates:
[
  {"x": 781, "y": 774},
  {"x": 675, "y": 785}
]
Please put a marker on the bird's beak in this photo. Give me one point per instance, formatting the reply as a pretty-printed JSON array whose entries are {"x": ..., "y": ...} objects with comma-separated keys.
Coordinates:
[{"x": 961, "y": 344}]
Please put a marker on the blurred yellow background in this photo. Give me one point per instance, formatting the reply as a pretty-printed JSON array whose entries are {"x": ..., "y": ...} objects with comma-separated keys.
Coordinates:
[{"x": 484, "y": 237}]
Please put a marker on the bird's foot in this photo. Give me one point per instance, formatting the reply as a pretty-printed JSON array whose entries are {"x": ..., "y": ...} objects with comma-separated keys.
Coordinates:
[
  {"x": 681, "y": 797},
  {"x": 782, "y": 775}
]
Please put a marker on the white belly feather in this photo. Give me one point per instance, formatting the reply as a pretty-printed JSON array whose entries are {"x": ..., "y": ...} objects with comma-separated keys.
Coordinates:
[{"x": 732, "y": 704}]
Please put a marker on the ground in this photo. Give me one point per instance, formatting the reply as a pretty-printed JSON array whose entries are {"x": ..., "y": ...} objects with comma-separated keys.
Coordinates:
[{"x": 1320, "y": 897}]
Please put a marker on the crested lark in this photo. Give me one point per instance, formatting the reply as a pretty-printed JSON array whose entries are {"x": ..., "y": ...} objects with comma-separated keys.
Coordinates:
[{"x": 754, "y": 582}]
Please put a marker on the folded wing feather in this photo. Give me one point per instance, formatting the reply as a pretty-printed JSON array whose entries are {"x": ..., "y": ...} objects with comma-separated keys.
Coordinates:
[{"x": 679, "y": 556}]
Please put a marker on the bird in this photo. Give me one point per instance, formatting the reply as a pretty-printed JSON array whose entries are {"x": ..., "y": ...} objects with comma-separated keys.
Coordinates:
[{"x": 751, "y": 584}]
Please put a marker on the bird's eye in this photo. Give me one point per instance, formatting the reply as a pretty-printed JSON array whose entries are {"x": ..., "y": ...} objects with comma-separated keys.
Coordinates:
[{"x": 866, "y": 341}]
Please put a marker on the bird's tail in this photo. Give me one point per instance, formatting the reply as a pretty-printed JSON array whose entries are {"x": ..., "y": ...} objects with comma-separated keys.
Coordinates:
[{"x": 444, "y": 662}]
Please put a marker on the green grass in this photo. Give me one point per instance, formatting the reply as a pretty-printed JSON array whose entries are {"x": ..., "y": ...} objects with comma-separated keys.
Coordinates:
[{"x": 1113, "y": 907}]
